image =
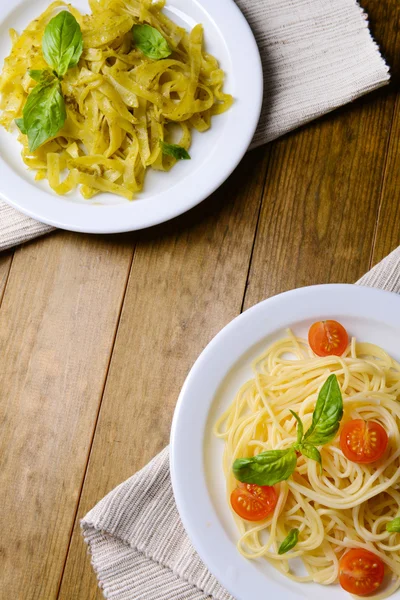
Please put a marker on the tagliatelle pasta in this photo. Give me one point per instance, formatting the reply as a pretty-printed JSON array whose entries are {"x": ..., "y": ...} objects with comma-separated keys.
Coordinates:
[
  {"x": 119, "y": 103},
  {"x": 345, "y": 505}
]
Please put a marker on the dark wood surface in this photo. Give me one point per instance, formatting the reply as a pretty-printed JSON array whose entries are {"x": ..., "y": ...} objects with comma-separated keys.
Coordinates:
[{"x": 98, "y": 333}]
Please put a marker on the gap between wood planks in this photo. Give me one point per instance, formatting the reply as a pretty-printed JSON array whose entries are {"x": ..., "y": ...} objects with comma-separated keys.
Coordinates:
[{"x": 6, "y": 261}]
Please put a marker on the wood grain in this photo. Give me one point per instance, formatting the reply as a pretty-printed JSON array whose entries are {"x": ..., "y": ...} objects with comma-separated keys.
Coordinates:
[
  {"x": 388, "y": 224},
  {"x": 321, "y": 201},
  {"x": 384, "y": 24},
  {"x": 57, "y": 326},
  {"x": 387, "y": 32},
  {"x": 187, "y": 282}
]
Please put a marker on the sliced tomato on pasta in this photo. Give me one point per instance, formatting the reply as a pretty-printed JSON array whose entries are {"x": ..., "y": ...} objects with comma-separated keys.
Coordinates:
[
  {"x": 327, "y": 338},
  {"x": 363, "y": 441},
  {"x": 360, "y": 571},
  {"x": 253, "y": 502}
]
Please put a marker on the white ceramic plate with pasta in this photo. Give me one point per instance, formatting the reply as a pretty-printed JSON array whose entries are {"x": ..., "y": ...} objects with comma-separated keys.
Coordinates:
[
  {"x": 214, "y": 153},
  {"x": 370, "y": 316}
]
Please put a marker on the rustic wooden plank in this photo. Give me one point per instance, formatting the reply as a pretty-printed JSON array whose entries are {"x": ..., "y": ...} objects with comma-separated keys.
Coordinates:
[
  {"x": 384, "y": 20},
  {"x": 5, "y": 266},
  {"x": 187, "y": 282},
  {"x": 388, "y": 225},
  {"x": 57, "y": 326},
  {"x": 387, "y": 28},
  {"x": 321, "y": 201}
]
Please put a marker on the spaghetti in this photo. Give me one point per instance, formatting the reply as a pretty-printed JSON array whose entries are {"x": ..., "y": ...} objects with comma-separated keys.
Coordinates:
[{"x": 346, "y": 505}]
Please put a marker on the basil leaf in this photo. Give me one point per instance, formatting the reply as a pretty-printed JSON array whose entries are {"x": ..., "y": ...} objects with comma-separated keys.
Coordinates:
[
  {"x": 311, "y": 452},
  {"x": 300, "y": 428},
  {"x": 21, "y": 125},
  {"x": 44, "y": 113},
  {"x": 327, "y": 414},
  {"x": 62, "y": 43},
  {"x": 150, "y": 41},
  {"x": 289, "y": 542},
  {"x": 42, "y": 76},
  {"x": 174, "y": 150},
  {"x": 36, "y": 75},
  {"x": 393, "y": 526},
  {"x": 266, "y": 468}
]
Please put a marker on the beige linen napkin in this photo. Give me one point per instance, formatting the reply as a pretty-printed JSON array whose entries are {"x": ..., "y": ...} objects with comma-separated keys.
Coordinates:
[
  {"x": 317, "y": 55},
  {"x": 139, "y": 548}
]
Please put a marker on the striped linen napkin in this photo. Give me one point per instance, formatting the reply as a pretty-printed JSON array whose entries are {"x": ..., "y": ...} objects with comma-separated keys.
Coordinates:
[
  {"x": 316, "y": 54},
  {"x": 139, "y": 548}
]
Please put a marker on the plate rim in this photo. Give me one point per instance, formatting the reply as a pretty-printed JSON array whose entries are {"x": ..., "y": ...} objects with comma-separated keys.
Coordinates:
[
  {"x": 223, "y": 563},
  {"x": 121, "y": 218}
]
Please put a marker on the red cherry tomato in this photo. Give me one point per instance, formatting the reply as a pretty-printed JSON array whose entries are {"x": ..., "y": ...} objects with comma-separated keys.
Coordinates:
[
  {"x": 360, "y": 572},
  {"x": 253, "y": 502},
  {"x": 363, "y": 441},
  {"x": 327, "y": 338}
]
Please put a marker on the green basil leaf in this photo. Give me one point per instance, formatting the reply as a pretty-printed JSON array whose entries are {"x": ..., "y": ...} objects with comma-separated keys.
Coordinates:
[
  {"x": 311, "y": 452},
  {"x": 266, "y": 468},
  {"x": 174, "y": 150},
  {"x": 36, "y": 75},
  {"x": 327, "y": 414},
  {"x": 62, "y": 43},
  {"x": 393, "y": 526},
  {"x": 300, "y": 428},
  {"x": 150, "y": 41},
  {"x": 42, "y": 76},
  {"x": 44, "y": 113},
  {"x": 289, "y": 542},
  {"x": 21, "y": 125}
]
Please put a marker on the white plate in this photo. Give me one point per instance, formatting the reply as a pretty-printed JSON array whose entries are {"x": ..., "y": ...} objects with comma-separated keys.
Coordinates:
[
  {"x": 196, "y": 455},
  {"x": 215, "y": 153}
]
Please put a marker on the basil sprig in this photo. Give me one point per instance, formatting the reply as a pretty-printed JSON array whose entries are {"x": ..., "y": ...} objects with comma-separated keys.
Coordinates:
[
  {"x": 43, "y": 77},
  {"x": 393, "y": 526},
  {"x": 270, "y": 467},
  {"x": 327, "y": 414},
  {"x": 289, "y": 542},
  {"x": 151, "y": 42},
  {"x": 44, "y": 113},
  {"x": 273, "y": 466},
  {"x": 174, "y": 150},
  {"x": 62, "y": 43}
]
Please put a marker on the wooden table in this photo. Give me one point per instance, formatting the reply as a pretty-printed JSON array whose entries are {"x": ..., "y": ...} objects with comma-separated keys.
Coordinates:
[{"x": 97, "y": 334}]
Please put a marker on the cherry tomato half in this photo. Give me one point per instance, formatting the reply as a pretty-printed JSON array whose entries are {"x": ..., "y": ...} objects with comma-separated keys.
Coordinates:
[
  {"x": 360, "y": 571},
  {"x": 363, "y": 441},
  {"x": 327, "y": 338},
  {"x": 253, "y": 502}
]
